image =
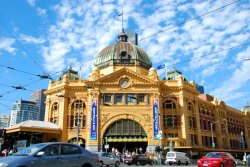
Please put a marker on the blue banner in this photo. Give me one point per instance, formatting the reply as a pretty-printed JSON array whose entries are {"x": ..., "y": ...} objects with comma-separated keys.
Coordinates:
[
  {"x": 93, "y": 132},
  {"x": 156, "y": 118}
]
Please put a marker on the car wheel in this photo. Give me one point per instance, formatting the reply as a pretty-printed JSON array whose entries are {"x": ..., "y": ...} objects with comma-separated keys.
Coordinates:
[
  {"x": 87, "y": 165},
  {"x": 101, "y": 163},
  {"x": 179, "y": 162},
  {"x": 117, "y": 163},
  {"x": 187, "y": 163},
  {"x": 170, "y": 163},
  {"x": 137, "y": 163},
  {"x": 221, "y": 165}
]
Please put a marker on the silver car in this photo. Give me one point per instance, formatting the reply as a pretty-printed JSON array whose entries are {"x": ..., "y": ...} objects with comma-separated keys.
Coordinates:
[
  {"x": 54, "y": 154},
  {"x": 108, "y": 159}
]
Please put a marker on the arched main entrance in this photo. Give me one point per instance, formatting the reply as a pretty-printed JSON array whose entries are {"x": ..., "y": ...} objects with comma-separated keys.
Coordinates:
[
  {"x": 74, "y": 141},
  {"x": 125, "y": 135}
]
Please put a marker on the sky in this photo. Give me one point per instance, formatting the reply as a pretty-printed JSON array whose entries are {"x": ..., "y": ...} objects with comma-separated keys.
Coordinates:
[{"x": 207, "y": 40}]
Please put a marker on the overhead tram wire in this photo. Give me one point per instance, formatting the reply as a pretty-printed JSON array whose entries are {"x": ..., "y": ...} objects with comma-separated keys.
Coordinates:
[
  {"x": 41, "y": 76},
  {"x": 12, "y": 68},
  {"x": 184, "y": 61},
  {"x": 189, "y": 20},
  {"x": 22, "y": 47},
  {"x": 195, "y": 18},
  {"x": 20, "y": 87}
]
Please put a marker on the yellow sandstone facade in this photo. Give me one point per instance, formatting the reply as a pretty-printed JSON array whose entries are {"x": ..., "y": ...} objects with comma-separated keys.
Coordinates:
[{"x": 135, "y": 108}]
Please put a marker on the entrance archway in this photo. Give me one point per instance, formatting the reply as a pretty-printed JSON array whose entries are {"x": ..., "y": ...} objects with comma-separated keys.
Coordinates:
[
  {"x": 81, "y": 141},
  {"x": 125, "y": 135}
]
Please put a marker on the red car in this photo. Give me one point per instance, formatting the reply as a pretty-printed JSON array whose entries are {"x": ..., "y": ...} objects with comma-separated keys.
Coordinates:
[{"x": 217, "y": 159}]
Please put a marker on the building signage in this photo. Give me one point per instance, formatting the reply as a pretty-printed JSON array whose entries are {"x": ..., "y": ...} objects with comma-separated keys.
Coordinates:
[
  {"x": 93, "y": 133},
  {"x": 156, "y": 118}
]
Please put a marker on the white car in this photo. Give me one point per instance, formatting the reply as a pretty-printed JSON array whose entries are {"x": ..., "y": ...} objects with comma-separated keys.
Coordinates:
[
  {"x": 108, "y": 159},
  {"x": 177, "y": 158}
]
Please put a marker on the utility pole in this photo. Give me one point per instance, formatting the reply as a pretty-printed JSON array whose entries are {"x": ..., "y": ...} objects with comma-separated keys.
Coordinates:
[
  {"x": 211, "y": 127},
  {"x": 78, "y": 106},
  {"x": 242, "y": 140}
]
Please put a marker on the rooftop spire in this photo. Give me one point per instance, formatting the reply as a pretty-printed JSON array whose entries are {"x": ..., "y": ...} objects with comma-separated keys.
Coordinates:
[{"x": 122, "y": 36}]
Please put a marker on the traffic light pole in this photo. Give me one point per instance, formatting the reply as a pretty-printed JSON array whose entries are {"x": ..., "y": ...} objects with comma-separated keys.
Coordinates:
[{"x": 243, "y": 145}]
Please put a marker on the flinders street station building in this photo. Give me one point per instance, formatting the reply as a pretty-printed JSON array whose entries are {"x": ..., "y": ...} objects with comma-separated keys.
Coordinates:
[{"x": 124, "y": 105}]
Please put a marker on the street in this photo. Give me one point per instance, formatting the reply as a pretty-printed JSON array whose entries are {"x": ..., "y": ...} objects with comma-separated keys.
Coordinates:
[{"x": 193, "y": 165}]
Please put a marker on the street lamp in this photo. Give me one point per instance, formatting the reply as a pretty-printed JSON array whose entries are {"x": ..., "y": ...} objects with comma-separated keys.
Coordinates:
[
  {"x": 78, "y": 106},
  {"x": 211, "y": 127},
  {"x": 172, "y": 106},
  {"x": 106, "y": 144}
]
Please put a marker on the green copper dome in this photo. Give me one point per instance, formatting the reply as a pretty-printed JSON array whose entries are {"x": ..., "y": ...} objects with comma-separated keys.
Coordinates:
[
  {"x": 70, "y": 73},
  {"x": 123, "y": 53}
]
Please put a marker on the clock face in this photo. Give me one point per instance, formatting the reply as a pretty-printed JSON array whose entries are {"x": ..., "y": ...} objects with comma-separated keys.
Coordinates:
[{"x": 124, "y": 83}]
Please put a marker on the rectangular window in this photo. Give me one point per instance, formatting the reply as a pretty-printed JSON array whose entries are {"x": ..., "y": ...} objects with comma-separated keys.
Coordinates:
[
  {"x": 118, "y": 98},
  {"x": 131, "y": 98},
  {"x": 107, "y": 98},
  {"x": 141, "y": 98}
]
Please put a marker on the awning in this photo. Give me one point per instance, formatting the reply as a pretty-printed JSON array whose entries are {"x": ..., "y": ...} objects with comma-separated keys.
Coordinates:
[
  {"x": 34, "y": 126},
  {"x": 127, "y": 139}
]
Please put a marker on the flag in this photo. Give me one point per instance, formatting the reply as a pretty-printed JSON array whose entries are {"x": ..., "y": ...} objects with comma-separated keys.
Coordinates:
[
  {"x": 120, "y": 14},
  {"x": 161, "y": 66}
]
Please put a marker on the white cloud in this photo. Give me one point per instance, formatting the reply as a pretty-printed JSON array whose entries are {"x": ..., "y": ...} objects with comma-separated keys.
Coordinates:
[
  {"x": 238, "y": 79},
  {"x": 6, "y": 44},
  {"x": 41, "y": 11},
  {"x": 81, "y": 31},
  {"x": 31, "y": 2},
  {"x": 31, "y": 39}
]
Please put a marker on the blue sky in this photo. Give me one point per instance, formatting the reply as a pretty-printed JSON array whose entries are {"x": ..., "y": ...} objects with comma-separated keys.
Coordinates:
[{"x": 40, "y": 37}]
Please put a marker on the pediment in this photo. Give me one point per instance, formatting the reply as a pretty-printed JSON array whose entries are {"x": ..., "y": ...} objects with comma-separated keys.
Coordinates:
[{"x": 124, "y": 74}]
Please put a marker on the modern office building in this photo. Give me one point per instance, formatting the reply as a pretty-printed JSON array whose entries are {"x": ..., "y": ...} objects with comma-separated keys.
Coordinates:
[
  {"x": 39, "y": 98},
  {"x": 4, "y": 121},
  {"x": 22, "y": 111},
  {"x": 124, "y": 105}
]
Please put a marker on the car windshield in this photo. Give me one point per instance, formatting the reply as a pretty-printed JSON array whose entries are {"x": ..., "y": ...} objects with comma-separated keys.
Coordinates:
[
  {"x": 29, "y": 150},
  {"x": 213, "y": 155},
  {"x": 171, "y": 155}
]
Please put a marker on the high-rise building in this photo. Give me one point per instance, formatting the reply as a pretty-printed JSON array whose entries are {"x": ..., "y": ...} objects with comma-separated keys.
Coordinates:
[
  {"x": 39, "y": 98},
  {"x": 4, "y": 121},
  {"x": 22, "y": 111}
]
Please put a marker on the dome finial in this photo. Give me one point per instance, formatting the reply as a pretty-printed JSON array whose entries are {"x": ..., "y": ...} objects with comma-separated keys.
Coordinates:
[{"x": 123, "y": 36}]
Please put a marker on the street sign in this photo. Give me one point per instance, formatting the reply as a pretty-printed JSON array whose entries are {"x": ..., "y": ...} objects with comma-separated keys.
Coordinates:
[
  {"x": 159, "y": 136},
  {"x": 106, "y": 146}
]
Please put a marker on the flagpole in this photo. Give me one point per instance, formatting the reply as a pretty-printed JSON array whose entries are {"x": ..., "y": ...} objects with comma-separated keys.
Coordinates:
[{"x": 122, "y": 20}]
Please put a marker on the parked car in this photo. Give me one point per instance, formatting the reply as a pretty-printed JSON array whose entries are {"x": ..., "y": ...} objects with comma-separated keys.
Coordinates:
[
  {"x": 53, "y": 154},
  {"x": 108, "y": 159},
  {"x": 217, "y": 159},
  {"x": 138, "y": 160},
  {"x": 177, "y": 158}
]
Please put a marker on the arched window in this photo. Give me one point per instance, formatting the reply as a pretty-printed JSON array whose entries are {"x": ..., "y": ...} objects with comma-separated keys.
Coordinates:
[
  {"x": 169, "y": 121},
  {"x": 168, "y": 104},
  {"x": 77, "y": 114},
  {"x": 190, "y": 107},
  {"x": 54, "y": 113}
]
